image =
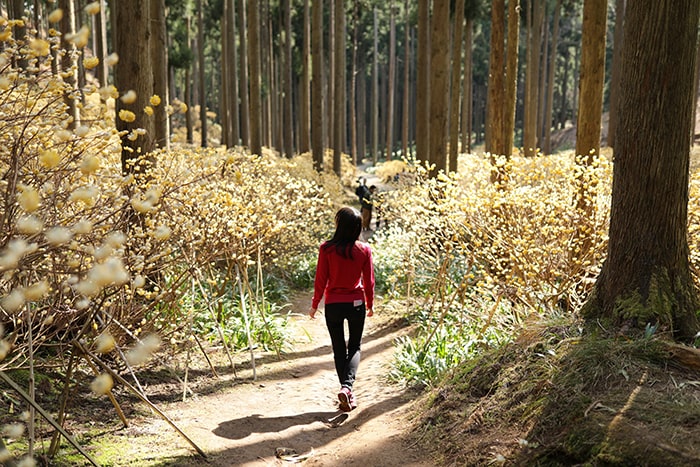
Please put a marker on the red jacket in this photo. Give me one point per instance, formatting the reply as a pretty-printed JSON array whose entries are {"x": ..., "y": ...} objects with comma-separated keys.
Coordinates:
[{"x": 344, "y": 280}]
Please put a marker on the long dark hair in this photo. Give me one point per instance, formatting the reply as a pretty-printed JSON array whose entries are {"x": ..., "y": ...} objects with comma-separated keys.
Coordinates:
[{"x": 348, "y": 225}]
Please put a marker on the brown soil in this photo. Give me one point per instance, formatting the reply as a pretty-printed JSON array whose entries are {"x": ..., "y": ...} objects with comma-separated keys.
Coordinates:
[{"x": 291, "y": 404}]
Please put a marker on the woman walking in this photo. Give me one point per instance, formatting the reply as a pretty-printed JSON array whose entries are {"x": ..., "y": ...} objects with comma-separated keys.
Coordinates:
[{"x": 345, "y": 276}]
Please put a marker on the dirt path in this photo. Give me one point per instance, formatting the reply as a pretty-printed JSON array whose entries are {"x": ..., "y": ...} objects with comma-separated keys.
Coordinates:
[{"x": 244, "y": 422}]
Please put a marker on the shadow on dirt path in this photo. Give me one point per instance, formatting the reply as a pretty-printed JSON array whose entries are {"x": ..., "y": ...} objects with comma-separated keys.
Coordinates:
[{"x": 291, "y": 407}]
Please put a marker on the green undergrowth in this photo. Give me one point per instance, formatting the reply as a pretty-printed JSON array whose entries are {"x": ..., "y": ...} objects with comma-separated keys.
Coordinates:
[{"x": 560, "y": 396}]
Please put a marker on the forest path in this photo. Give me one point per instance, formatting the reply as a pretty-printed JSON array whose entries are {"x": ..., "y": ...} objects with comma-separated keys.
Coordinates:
[{"x": 289, "y": 404}]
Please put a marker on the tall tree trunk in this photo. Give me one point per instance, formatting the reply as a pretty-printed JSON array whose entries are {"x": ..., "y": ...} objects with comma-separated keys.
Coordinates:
[
  {"x": 592, "y": 76},
  {"x": 496, "y": 97},
  {"x": 511, "y": 83},
  {"x": 232, "y": 79},
  {"x": 423, "y": 83},
  {"x": 646, "y": 277},
  {"x": 330, "y": 112},
  {"x": 133, "y": 72},
  {"x": 439, "y": 84},
  {"x": 375, "y": 91},
  {"x": 391, "y": 84},
  {"x": 224, "y": 110},
  {"x": 159, "y": 56},
  {"x": 361, "y": 112},
  {"x": 288, "y": 126},
  {"x": 255, "y": 104},
  {"x": 202, "y": 74},
  {"x": 69, "y": 61},
  {"x": 243, "y": 70},
  {"x": 101, "y": 43},
  {"x": 317, "y": 128},
  {"x": 550, "y": 81},
  {"x": 338, "y": 83},
  {"x": 454, "y": 86},
  {"x": 467, "y": 98},
  {"x": 532, "y": 80},
  {"x": 16, "y": 10},
  {"x": 406, "y": 82},
  {"x": 188, "y": 91},
  {"x": 616, "y": 69},
  {"x": 305, "y": 84},
  {"x": 353, "y": 82},
  {"x": 541, "y": 91}
]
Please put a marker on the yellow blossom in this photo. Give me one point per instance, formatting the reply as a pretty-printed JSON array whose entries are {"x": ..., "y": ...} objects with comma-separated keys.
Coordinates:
[
  {"x": 6, "y": 35},
  {"x": 148, "y": 110},
  {"x": 91, "y": 62},
  {"x": 36, "y": 291},
  {"x": 104, "y": 343},
  {"x": 155, "y": 100},
  {"x": 5, "y": 83},
  {"x": 90, "y": 164},
  {"x": 29, "y": 225},
  {"x": 92, "y": 8},
  {"x": 40, "y": 47},
  {"x": 79, "y": 39},
  {"x": 56, "y": 16},
  {"x": 28, "y": 198},
  {"x": 127, "y": 115},
  {"x": 102, "y": 384},
  {"x": 49, "y": 158},
  {"x": 129, "y": 97},
  {"x": 111, "y": 59}
]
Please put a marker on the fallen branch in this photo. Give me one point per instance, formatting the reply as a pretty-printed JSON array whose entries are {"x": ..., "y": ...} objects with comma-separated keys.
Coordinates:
[
  {"x": 139, "y": 395},
  {"x": 47, "y": 417}
]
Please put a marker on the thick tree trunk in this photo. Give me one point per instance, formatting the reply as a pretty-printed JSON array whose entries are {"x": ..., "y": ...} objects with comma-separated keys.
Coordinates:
[
  {"x": 69, "y": 61},
  {"x": 646, "y": 277},
  {"x": 232, "y": 80},
  {"x": 439, "y": 85},
  {"x": 592, "y": 76},
  {"x": 133, "y": 72},
  {"x": 353, "y": 83},
  {"x": 495, "y": 96},
  {"x": 317, "y": 136}
]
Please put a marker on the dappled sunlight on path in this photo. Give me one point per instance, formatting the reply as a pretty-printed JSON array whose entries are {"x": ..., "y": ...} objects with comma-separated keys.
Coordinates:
[{"x": 291, "y": 405}]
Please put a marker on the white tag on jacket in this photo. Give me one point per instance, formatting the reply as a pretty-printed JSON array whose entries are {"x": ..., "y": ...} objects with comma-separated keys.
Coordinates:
[{"x": 357, "y": 303}]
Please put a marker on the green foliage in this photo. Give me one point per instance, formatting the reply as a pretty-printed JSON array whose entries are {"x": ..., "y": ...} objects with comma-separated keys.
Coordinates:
[{"x": 441, "y": 345}]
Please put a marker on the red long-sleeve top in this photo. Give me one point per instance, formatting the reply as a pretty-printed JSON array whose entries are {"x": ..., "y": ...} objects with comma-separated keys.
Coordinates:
[{"x": 344, "y": 280}]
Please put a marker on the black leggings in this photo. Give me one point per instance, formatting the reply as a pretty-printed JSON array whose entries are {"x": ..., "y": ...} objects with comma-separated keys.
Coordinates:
[{"x": 346, "y": 357}]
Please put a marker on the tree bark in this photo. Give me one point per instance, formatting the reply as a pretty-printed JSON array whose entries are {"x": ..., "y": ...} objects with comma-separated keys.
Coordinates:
[
  {"x": 406, "y": 83},
  {"x": 646, "y": 277},
  {"x": 454, "y": 87},
  {"x": 255, "y": 103},
  {"x": 338, "y": 83},
  {"x": 547, "y": 146},
  {"x": 288, "y": 126},
  {"x": 616, "y": 69},
  {"x": 317, "y": 128},
  {"x": 305, "y": 84},
  {"x": 439, "y": 85},
  {"x": 391, "y": 83},
  {"x": 511, "y": 83},
  {"x": 423, "y": 83},
  {"x": 467, "y": 98},
  {"x": 202, "y": 75},
  {"x": 495, "y": 97},
  {"x": 243, "y": 70},
  {"x": 133, "y": 72},
  {"x": 375, "y": 90},
  {"x": 159, "y": 56}
]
